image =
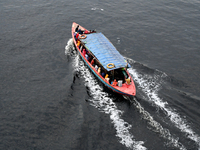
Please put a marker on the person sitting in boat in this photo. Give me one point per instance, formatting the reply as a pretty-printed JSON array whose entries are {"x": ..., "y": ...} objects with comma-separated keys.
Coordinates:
[
  {"x": 77, "y": 36},
  {"x": 114, "y": 83},
  {"x": 92, "y": 62},
  {"x": 103, "y": 74},
  {"x": 128, "y": 80},
  {"x": 79, "y": 44},
  {"x": 90, "y": 58},
  {"x": 86, "y": 56},
  {"x": 99, "y": 70},
  {"x": 107, "y": 77},
  {"x": 84, "y": 52},
  {"x": 80, "y": 31},
  {"x": 81, "y": 48},
  {"x": 96, "y": 67},
  {"x": 86, "y": 32},
  {"x": 90, "y": 31}
]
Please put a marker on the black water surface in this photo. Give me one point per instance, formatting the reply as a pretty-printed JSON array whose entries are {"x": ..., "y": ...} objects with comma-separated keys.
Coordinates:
[{"x": 50, "y": 100}]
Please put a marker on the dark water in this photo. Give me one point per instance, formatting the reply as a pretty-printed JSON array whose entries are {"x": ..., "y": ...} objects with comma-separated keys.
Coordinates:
[{"x": 50, "y": 100}]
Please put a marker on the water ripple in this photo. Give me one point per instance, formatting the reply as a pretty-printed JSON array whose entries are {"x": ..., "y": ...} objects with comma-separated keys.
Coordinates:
[{"x": 174, "y": 117}]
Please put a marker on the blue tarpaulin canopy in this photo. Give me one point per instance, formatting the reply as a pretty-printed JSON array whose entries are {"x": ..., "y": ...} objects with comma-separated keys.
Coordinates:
[{"x": 104, "y": 51}]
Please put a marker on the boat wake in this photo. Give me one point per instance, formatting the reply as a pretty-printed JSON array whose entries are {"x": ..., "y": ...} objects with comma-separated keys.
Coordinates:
[
  {"x": 104, "y": 103},
  {"x": 157, "y": 127},
  {"x": 150, "y": 85}
]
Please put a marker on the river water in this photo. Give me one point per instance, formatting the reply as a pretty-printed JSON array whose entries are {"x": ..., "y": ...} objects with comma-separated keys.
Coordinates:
[{"x": 50, "y": 100}]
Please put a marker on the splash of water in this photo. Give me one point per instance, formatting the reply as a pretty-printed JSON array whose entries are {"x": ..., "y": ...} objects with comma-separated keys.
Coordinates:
[
  {"x": 152, "y": 94},
  {"x": 69, "y": 48}
]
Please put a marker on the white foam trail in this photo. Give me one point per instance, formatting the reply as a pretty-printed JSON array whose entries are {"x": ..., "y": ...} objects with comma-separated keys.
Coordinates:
[
  {"x": 104, "y": 103},
  {"x": 69, "y": 48},
  {"x": 152, "y": 95},
  {"x": 157, "y": 127}
]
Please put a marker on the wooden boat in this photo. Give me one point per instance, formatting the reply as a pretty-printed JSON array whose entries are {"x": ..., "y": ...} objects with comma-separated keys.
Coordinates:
[{"x": 107, "y": 64}]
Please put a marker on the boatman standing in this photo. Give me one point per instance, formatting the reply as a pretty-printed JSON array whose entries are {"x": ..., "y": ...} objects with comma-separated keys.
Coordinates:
[{"x": 77, "y": 28}]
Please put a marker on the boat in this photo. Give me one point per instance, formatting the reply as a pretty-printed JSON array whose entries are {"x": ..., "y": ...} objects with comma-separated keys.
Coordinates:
[{"x": 103, "y": 59}]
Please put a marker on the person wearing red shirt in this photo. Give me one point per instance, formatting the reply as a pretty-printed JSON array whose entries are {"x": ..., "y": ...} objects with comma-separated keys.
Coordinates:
[
  {"x": 77, "y": 35},
  {"x": 92, "y": 62},
  {"x": 114, "y": 83},
  {"x": 84, "y": 52}
]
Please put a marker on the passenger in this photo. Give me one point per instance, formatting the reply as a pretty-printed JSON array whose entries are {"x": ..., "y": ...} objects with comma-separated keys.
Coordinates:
[
  {"x": 80, "y": 31},
  {"x": 86, "y": 32},
  {"x": 128, "y": 81},
  {"x": 77, "y": 28},
  {"x": 114, "y": 83},
  {"x": 106, "y": 76},
  {"x": 79, "y": 43},
  {"x": 86, "y": 56},
  {"x": 81, "y": 48},
  {"x": 90, "y": 58},
  {"x": 92, "y": 62},
  {"x": 84, "y": 52},
  {"x": 77, "y": 36},
  {"x": 103, "y": 74},
  {"x": 96, "y": 67},
  {"x": 99, "y": 70}
]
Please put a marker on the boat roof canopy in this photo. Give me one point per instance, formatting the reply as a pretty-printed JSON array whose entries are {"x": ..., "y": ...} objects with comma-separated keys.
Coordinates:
[{"x": 104, "y": 51}]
